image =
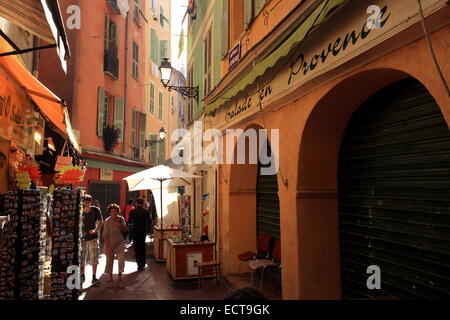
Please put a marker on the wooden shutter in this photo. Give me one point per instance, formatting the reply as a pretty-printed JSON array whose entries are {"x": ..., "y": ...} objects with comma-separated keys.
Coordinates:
[
  {"x": 259, "y": 5},
  {"x": 225, "y": 28},
  {"x": 152, "y": 98},
  {"x": 106, "y": 32},
  {"x": 142, "y": 129},
  {"x": 160, "y": 111},
  {"x": 113, "y": 32},
  {"x": 153, "y": 150},
  {"x": 248, "y": 13},
  {"x": 162, "y": 151},
  {"x": 163, "y": 49},
  {"x": 119, "y": 112},
  {"x": 154, "y": 46},
  {"x": 133, "y": 128},
  {"x": 100, "y": 111},
  {"x": 394, "y": 191}
]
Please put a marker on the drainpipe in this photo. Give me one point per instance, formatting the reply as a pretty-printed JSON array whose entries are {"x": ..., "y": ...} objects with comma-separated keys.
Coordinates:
[{"x": 125, "y": 95}]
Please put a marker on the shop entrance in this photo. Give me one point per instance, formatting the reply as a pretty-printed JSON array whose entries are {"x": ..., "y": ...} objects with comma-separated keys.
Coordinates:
[
  {"x": 105, "y": 193},
  {"x": 394, "y": 188}
]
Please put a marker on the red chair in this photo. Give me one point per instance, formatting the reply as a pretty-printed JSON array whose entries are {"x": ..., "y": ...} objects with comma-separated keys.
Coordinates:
[
  {"x": 275, "y": 262},
  {"x": 262, "y": 250}
]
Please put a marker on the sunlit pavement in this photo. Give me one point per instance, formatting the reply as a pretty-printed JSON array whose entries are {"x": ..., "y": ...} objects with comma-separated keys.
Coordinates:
[{"x": 153, "y": 283}]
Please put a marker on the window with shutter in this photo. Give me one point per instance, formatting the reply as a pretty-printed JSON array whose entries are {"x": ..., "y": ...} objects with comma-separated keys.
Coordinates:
[
  {"x": 162, "y": 16},
  {"x": 100, "y": 111},
  {"x": 225, "y": 28},
  {"x": 154, "y": 42},
  {"x": 152, "y": 97},
  {"x": 133, "y": 128},
  {"x": 119, "y": 111},
  {"x": 105, "y": 110},
  {"x": 207, "y": 63},
  {"x": 154, "y": 150},
  {"x": 106, "y": 32},
  {"x": 160, "y": 111},
  {"x": 162, "y": 151},
  {"x": 163, "y": 49},
  {"x": 142, "y": 129},
  {"x": 248, "y": 13},
  {"x": 135, "y": 60},
  {"x": 136, "y": 11},
  {"x": 258, "y": 6}
]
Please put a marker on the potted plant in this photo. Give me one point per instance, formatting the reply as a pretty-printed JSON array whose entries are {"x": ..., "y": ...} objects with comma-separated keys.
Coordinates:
[{"x": 111, "y": 135}]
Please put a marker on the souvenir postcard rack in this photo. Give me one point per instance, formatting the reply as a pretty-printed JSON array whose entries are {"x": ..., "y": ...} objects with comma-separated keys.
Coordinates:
[
  {"x": 23, "y": 252},
  {"x": 66, "y": 235}
]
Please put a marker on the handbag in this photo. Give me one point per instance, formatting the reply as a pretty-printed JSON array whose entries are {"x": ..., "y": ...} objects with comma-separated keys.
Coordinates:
[{"x": 62, "y": 161}]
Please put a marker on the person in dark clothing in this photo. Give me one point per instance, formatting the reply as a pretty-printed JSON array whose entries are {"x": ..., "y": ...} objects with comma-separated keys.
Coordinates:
[{"x": 140, "y": 221}]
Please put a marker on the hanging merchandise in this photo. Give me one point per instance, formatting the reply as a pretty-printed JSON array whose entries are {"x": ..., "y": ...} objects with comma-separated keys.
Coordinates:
[
  {"x": 63, "y": 161},
  {"x": 23, "y": 254},
  {"x": 184, "y": 203},
  {"x": 66, "y": 235},
  {"x": 70, "y": 175}
]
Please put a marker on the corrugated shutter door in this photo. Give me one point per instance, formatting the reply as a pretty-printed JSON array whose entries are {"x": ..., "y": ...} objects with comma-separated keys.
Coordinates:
[
  {"x": 106, "y": 194},
  {"x": 394, "y": 184}
]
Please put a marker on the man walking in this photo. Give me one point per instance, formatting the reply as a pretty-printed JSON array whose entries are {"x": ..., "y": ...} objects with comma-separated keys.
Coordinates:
[
  {"x": 140, "y": 221},
  {"x": 92, "y": 223}
]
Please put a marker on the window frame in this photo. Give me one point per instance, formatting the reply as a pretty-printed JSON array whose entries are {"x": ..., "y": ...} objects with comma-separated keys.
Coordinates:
[
  {"x": 135, "y": 61},
  {"x": 152, "y": 97},
  {"x": 136, "y": 12}
]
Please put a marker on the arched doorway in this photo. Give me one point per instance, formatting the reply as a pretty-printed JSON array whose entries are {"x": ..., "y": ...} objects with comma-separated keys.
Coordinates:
[{"x": 394, "y": 191}]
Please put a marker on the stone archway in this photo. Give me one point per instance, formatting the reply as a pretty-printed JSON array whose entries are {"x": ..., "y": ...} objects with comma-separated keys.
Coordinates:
[{"x": 317, "y": 188}]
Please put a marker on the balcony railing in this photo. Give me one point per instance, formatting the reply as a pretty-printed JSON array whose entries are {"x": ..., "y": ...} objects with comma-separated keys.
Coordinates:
[{"x": 111, "y": 62}]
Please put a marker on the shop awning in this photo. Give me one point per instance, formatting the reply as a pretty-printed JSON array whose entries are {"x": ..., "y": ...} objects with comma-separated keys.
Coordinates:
[
  {"x": 264, "y": 63},
  {"x": 52, "y": 108},
  {"x": 41, "y": 18}
]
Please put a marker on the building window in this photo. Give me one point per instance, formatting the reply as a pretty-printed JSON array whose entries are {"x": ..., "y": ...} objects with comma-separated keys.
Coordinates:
[
  {"x": 105, "y": 110},
  {"x": 154, "y": 43},
  {"x": 136, "y": 11},
  {"x": 162, "y": 16},
  {"x": 160, "y": 106},
  {"x": 207, "y": 62},
  {"x": 138, "y": 129},
  {"x": 111, "y": 60},
  {"x": 135, "y": 60},
  {"x": 152, "y": 98},
  {"x": 163, "y": 44}
]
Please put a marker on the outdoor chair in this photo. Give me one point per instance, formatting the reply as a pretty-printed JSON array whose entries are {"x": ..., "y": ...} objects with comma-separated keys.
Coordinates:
[
  {"x": 275, "y": 262},
  {"x": 262, "y": 250}
]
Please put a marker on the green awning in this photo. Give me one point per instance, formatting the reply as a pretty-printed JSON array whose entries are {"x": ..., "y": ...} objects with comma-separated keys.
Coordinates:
[{"x": 314, "y": 18}]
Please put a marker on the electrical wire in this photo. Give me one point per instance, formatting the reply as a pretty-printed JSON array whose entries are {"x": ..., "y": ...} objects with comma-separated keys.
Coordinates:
[{"x": 430, "y": 46}]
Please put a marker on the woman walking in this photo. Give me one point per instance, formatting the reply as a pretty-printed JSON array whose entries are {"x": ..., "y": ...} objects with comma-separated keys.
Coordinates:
[{"x": 114, "y": 239}]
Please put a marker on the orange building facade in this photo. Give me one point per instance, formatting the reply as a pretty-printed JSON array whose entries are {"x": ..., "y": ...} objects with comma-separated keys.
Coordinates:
[
  {"x": 362, "y": 114},
  {"x": 105, "y": 86}
]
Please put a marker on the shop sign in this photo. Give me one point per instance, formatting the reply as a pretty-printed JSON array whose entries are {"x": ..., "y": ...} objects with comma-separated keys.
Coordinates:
[
  {"x": 332, "y": 45},
  {"x": 17, "y": 115},
  {"x": 234, "y": 56},
  {"x": 106, "y": 175}
]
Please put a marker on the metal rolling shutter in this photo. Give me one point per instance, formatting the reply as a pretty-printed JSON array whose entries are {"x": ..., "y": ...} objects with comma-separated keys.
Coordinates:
[
  {"x": 394, "y": 206},
  {"x": 268, "y": 205}
]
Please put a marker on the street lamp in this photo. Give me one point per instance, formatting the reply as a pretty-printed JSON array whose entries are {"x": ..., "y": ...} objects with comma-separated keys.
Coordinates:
[
  {"x": 165, "y": 71},
  {"x": 162, "y": 137}
]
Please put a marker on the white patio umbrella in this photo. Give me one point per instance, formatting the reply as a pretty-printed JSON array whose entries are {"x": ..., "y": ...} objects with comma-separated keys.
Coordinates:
[{"x": 160, "y": 176}]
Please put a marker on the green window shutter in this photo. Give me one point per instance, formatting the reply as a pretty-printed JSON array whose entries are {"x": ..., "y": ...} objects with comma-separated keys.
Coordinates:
[
  {"x": 154, "y": 46},
  {"x": 163, "y": 44},
  {"x": 157, "y": 50},
  {"x": 225, "y": 28},
  {"x": 161, "y": 16},
  {"x": 162, "y": 151},
  {"x": 248, "y": 12},
  {"x": 152, "y": 98},
  {"x": 113, "y": 32},
  {"x": 119, "y": 115},
  {"x": 259, "y": 5},
  {"x": 133, "y": 128},
  {"x": 142, "y": 129},
  {"x": 160, "y": 111},
  {"x": 100, "y": 111},
  {"x": 153, "y": 150}
]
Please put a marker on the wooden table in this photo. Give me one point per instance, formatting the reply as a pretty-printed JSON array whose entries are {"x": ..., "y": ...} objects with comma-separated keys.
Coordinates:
[
  {"x": 160, "y": 244},
  {"x": 183, "y": 258}
]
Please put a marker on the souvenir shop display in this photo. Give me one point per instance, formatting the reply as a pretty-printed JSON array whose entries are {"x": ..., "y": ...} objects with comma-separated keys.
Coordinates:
[
  {"x": 66, "y": 234},
  {"x": 22, "y": 254},
  {"x": 184, "y": 203}
]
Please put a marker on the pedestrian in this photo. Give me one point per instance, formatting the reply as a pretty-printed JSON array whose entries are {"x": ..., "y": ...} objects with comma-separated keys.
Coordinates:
[
  {"x": 146, "y": 203},
  {"x": 114, "y": 238},
  {"x": 128, "y": 208},
  {"x": 140, "y": 221},
  {"x": 92, "y": 224}
]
